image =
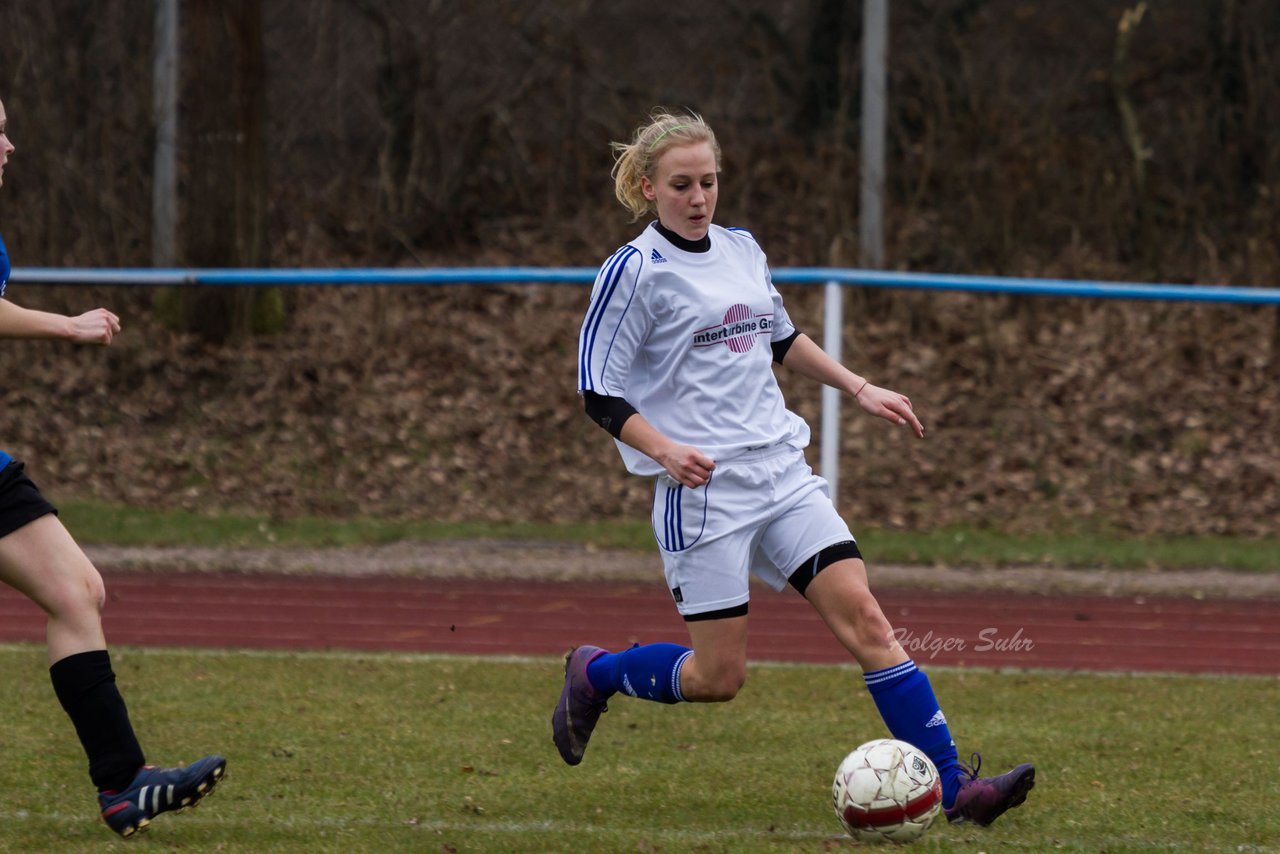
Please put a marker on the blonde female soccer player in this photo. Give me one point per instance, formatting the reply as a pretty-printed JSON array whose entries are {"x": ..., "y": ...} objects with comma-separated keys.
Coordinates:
[
  {"x": 41, "y": 560},
  {"x": 675, "y": 361}
]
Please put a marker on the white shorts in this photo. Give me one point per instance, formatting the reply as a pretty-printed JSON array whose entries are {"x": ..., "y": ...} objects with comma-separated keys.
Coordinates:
[{"x": 763, "y": 512}]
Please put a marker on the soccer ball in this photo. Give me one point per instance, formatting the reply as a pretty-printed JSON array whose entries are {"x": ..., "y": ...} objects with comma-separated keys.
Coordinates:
[{"x": 886, "y": 790}]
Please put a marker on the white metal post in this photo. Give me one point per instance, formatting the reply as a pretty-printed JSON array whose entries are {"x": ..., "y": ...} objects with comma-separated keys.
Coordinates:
[
  {"x": 832, "y": 326},
  {"x": 875, "y": 30}
]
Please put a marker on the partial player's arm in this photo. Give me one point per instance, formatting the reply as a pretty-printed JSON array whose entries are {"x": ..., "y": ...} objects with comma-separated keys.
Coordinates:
[
  {"x": 92, "y": 327},
  {"x": 808, "y": 359},
  {"x": 615, "y": 327},
  {"x": 685, "y": 463}
]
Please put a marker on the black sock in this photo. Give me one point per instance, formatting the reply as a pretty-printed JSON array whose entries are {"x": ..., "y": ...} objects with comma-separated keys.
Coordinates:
[{"x": 86, "y": 687}]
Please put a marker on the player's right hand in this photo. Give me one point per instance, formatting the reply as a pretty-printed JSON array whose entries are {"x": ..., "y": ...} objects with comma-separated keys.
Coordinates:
[
  {"x": 688, "y": 466},
  {"x": 94, "y": 327}
]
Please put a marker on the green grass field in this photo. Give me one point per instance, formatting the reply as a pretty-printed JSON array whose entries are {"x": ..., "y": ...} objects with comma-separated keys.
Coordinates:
[
  {"x": 386, "y": 753},
  {"x": 95, "y": 522}
]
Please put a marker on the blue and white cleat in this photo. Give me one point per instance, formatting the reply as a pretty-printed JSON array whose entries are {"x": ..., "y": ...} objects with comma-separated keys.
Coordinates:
[{"x": 156, "y": 790}]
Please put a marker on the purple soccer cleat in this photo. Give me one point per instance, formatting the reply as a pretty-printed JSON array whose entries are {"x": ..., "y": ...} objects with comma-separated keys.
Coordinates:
[
  {"x": 579, "y": 707},
  {"x": 982, "y": 800}
]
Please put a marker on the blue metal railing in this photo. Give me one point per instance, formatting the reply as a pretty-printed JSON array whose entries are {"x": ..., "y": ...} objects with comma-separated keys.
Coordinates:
[
  {"x": 147, "y": 277},
  {"x": 1031, "y": 287}
]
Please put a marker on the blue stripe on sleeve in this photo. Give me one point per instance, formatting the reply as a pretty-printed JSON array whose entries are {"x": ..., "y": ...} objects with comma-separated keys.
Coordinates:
[{"x": 610, "y": 276}]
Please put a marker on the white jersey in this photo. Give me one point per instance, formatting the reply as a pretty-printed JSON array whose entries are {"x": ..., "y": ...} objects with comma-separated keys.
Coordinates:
[{"x": 685, "y": 337}]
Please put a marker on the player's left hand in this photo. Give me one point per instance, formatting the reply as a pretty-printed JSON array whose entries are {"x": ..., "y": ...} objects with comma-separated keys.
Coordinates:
[
  {"x": 94, "y": 327},
  {"x": 891, "y": 406}
]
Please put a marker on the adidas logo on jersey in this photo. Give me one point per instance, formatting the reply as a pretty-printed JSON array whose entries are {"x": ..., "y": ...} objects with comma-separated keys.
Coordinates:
[
  {"x": 938, "y": 719},
  {"x": 656, "y": 257}
]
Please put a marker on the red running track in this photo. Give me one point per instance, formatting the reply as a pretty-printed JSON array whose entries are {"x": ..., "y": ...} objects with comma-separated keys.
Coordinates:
[{"x": 498, "y": 617}]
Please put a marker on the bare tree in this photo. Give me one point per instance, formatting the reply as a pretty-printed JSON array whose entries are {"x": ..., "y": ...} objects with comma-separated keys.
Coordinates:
[{"x": 226, "y": 181}]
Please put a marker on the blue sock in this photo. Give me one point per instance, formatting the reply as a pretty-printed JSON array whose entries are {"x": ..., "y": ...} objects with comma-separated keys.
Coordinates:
[
  {"x": 906, "y": 703},
  {"x": 650, "y": 672}
]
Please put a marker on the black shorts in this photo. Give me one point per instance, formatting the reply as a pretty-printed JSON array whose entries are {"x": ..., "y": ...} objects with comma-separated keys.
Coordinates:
[{"x": 20, "y": 499}]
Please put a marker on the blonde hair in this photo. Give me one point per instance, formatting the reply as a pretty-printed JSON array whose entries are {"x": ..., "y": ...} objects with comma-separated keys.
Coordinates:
[{"x": 636, "y": 159}]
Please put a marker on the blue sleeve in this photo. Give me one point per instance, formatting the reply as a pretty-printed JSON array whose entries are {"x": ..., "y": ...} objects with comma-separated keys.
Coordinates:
[
  {"x": 5, "y": 459},
  {"x": 5, "y": 269}
]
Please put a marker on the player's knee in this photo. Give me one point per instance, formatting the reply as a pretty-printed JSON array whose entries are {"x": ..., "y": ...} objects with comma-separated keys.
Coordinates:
[
  {"x": 79, "y": 597},
  {"x": 725, "y": 685},
  {"x": 95, "y": 591},
  {"x": 872, "y": 627}
]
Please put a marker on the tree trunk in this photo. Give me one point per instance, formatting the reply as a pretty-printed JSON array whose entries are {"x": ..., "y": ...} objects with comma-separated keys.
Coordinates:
[
  {"x": 226, "y": 198},
  {"x": 821, "y": 95}
]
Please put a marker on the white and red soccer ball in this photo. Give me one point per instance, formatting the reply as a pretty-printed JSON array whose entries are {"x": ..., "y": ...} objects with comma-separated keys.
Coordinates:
[{"x": 886, "y": 790}]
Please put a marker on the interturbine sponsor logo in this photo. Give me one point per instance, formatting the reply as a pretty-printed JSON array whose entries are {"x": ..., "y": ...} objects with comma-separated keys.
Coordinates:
[
  {"x": 737, "y": 331},
  {"x": 989, "y": 640}
]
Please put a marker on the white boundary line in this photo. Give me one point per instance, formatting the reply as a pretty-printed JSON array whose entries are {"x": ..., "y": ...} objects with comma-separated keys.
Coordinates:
[
  {"x": 578, "y": 831},
  {"x": 434, "y": 657},
  {"x": 346, "y": 823}
]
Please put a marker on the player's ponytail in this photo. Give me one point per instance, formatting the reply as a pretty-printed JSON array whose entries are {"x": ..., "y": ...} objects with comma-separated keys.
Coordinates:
[{"x": 636, "y": 159}]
